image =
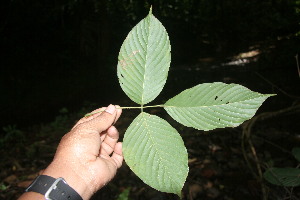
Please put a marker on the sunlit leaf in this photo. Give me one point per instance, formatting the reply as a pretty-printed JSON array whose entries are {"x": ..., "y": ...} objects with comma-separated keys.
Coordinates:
[
  {"x": 289, "y": 177},
  {"x": 155, "y": 152},
  {"x": 144, "y": 60},
  {"x": 214, "y": 105}
]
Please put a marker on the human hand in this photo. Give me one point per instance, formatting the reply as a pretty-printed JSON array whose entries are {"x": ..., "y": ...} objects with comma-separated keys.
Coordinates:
[{"x": 89, "y": 155}]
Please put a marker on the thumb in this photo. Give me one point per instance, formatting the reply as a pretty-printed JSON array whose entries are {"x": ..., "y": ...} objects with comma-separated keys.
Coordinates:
[{"x": 100, "y": 123}]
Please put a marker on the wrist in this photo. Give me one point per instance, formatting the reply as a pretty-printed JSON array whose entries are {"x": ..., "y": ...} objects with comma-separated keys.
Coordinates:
[{"x": 71, "y": 178}]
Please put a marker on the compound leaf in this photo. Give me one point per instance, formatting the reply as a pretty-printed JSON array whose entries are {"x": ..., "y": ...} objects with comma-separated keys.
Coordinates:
[
  {"x": 144, "y": 60},
  {"x": 155, "y": 152},
  {"x": 289, "y": 177},
  {"x": 214, "y": 105}
]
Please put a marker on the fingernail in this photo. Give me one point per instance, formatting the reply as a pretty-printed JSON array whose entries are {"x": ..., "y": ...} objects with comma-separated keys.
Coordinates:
[{"x": 110, "y": 109}]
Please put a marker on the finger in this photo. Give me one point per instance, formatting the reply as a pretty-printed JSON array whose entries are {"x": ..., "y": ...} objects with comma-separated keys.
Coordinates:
[
  {"x": 100, "y": 123},
  {"x": 109, "y": 142},
  {"x": 97, "y": 113},
  {"x": 119, "y": 112},
  {"x": 85, "y": 119},
  {"x": 117, "y": 155}
]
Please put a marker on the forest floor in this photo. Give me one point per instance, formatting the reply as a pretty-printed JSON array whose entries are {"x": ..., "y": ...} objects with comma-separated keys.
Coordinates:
[
  {"x": 218, "y": 169},
  {"x": 224, "y": 163}
]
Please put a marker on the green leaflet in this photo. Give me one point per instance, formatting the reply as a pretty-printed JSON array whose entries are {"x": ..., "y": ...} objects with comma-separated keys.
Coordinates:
[
  {"x": 144, "y": 60},
  {"x": 289, "y": 177},
  {"x": 155, "y": 152},
  {"x": 214, "y": 105}
]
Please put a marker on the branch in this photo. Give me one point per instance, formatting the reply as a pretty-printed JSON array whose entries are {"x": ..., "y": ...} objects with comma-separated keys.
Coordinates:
[
  {"x": 247, "y": 129},
  {"x": 278, "y": 88}
]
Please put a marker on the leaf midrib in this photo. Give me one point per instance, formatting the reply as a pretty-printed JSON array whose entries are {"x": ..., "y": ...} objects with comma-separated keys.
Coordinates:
[
  {"x": 155, "y": 145},
  {"x": 146, "y": 57},
  {"x": 204, "y": 106}
]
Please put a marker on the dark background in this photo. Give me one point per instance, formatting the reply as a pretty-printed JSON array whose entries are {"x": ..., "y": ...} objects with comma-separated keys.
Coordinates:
[
  {"x": 58, "y": 54},
  {"x": 59, "y": 57}
]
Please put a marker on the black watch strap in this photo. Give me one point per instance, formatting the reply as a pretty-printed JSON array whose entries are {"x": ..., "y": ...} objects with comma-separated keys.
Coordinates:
[{"x": 53, "y": 189}]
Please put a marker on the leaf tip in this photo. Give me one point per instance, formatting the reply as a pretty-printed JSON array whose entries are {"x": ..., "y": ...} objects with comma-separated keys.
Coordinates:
[
  {"x": 150, "y": 11},
  {"x": 269, "y": 95}
]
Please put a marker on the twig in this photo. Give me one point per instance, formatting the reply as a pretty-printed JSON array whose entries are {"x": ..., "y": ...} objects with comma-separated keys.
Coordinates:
[
  {"x": 297, "y": 62},
  {"x": 259, "y": 177},
  {"x": 246, "y": 137},
  {"x": 273, "y": 144},
  {"x": 278, "y": 88}
]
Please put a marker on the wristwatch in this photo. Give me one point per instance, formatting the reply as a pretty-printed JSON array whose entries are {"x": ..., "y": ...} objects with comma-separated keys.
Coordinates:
[{"x": 53, "y": 189}]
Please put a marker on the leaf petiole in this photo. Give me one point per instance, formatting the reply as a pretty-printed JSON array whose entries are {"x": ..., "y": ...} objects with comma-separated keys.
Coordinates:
[{"x": 126, "y": 107}]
